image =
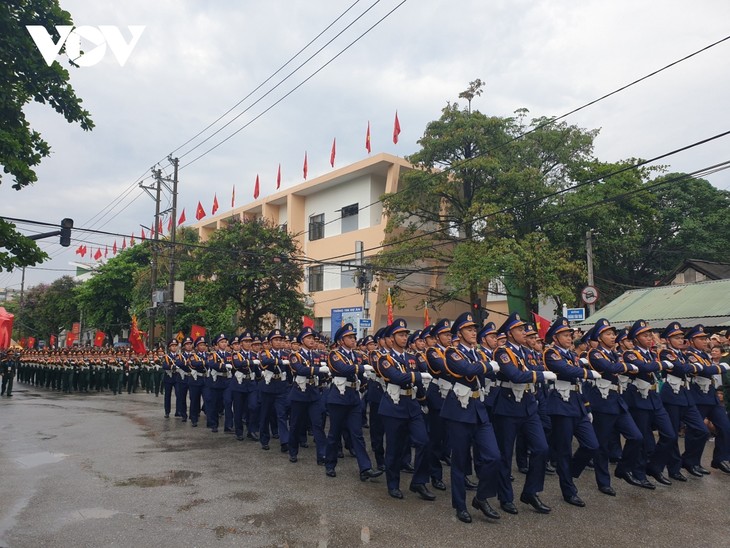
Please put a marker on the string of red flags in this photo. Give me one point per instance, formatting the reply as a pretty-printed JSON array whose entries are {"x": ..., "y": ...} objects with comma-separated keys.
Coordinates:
[
  {"x": 182, "y": 218},
  {"x": 199, "y": 212},
  {"x": 215, "y": 204}
]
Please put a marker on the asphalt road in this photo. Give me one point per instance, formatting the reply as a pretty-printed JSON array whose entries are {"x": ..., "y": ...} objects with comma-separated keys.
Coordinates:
[{"x": 99, "y": 470}]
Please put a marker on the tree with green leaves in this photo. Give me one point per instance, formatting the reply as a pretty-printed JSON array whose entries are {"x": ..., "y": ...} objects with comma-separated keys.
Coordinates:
[
  {"x": 25, "y": 77},
  {"x": 251, "y": 269},
  {"x": 107, "y": 298},
  {"x": 48, "y": 308},
  {"x": 470, "y": 212}
]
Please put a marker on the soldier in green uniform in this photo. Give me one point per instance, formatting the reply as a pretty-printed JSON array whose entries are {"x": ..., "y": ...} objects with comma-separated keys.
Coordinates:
[{"x": 8, "y": 367}]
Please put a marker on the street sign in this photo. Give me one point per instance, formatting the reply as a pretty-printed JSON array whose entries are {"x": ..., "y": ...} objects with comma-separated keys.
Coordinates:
[
  {"x": 589, "y": 295},
  {"x": 365, "y": 322},
  {"x": 576, "y": 314}
]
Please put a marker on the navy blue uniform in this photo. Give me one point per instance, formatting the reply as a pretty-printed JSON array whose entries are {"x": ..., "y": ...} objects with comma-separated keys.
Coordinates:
[
  {"x": 307, "y": 402},
  {"x": 219, "y": 363},
  {"x": 241, "y": 386},
  {"x": 196, "y": 382},
  {"x": 274, "y": 392}
]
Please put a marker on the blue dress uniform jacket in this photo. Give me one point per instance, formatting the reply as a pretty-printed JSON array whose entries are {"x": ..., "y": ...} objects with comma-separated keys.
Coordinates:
[
  {"x": 469, "y": 427},
  {"x": 648, "y": 364},
  {"x": 306, "y": 364},
  {"x": 399, "y": 370},
  {"x": 567, "y": 367},
  {"x": 607, "y": 363},
  {"x": 490, "y": 381},
  {"x": 306, "y": 403},
  {"x": 513, "y": 368},
  {"x": 436, "y": 361},
  {"x": 703, "y": 369},
  {"x": 683, "y": 370},
  {"x": 273, "y": 361},
  {"x": 347, "y": 365},
  {"x": 196, "y": 382}
]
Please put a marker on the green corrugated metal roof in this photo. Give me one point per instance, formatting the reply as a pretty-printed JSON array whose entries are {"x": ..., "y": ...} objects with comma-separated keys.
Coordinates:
[{"x": 707, "y": 303}]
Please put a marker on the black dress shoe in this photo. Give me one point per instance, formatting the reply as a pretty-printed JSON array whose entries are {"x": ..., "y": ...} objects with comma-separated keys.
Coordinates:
[
  {"x": 293, "y": 459},
  {"x": 229, "y": 430},
  {"x": 423, "y": 491},
  {"x": 677, "y": 476},
  {"x": 252, "y": 436},
  {"x": 305, "y": 445},
  {"x": 320, "y": 462},
  {"x": 470, "y": 485},
  {"x": 723, "y": 466},
  {"x": 607, "y": 490},
  {"x": 214, "y": 430},
  {"x": 381, "y": 467},
  {"x": 167, "y": 415},
  {"x": 438, "y": 484},
  {"x": 508, "y": 507},
  {"x": 185, "y": 419},
  {"x": 704, "y": 470},
  {"x": 694, "y": 471},
  {"x": 340, "y": 455},
  {"x": 575, "y": 500},
  {"x": 195, "y": 424},
  {"x": 265, "y": 447},
  {"x": 369, "y": 474},
  {"x": 523, "y": 469},
  {"x": 549, "y": 469},
  {"x": 407, "y": 468},
  {"x": 331, "y": 474},
  {"x": 485, "y": 507},
  {"x": 646, "y": 484},
  {"x": 284, "y": 447},
  {"x": 240, "y": 438},
  {"x": 660, "y": 478},
  {"x": 535, "y": 502},
  {"x": 628, "y": 477},
  {"x": 511, "y": 477},
  {"x": 395, "y": 493},
  {"x": 464, "y": 516}
]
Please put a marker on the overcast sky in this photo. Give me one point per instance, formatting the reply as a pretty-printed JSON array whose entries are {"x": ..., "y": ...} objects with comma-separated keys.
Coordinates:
[{"x": 197, "y": 59}]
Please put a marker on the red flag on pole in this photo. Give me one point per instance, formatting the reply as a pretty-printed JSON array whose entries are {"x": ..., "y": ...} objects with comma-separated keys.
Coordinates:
[
  {"x": 199, "y": 212},
  {"x": 306, "y": 168},
  {"x": 124, "y": 243},
  {"x": 396, "y": 128},
  {"x": 367, "y": 139},
  {"x": 160, "y": 229},
  {"x": 389, "y": 304},
  {"x": 52, "y": 341},
  {"x": 426, "y": 319},
  {"x": 106, "y": 251},
  {"x": 197, "y": 331},
  {"x": 99, "y": 338},
  {"x": 135, "y": 339},
  {"x": 169, "y": 224},
  {"x": 78, "y": 250},
  {"x": 233, "y": 197},
  {"x": 97, "y": 255},
  {"x": 541, "y": 324},
  {"x": 31, "y": 342},
  {"x": 83, "y": 251},
  {"x": 278, "y": 178},
  {"x": 333, "y": 152},
  {"x": 70, "y": 338},
  {"x": 143, "y": 236},
  {"x": 114, "y": 247},
  {"x": 215, "y": 204},
  {"x": 182, "y": 218},
  {"x": 131, "y": 239},
  {"x": 256, "y": 189}
]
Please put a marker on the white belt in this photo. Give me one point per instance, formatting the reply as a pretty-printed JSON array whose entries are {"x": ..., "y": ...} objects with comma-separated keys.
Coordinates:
[
  {"x": 704, "y": 383},
  {"x": 519, "y": 389},
  {"x": 675, "y": 383}
]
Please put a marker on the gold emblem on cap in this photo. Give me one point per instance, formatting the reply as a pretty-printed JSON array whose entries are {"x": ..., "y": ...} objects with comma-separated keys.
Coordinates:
[
  {"x": 517, "y": 317},
  {"x": 468, "y": 317}
]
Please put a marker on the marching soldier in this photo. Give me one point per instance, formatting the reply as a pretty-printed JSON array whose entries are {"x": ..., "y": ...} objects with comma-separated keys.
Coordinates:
[
  {"x": 647, "y": 408},
  {"x": 704, "y": 389},
  {"x": 244, "y": 381},
  {"x": 169, "y": 366},
  {"x": 468, "y": 422},
  {"x": 344, "y": 404},
  {"x": 195, "y": 361},
  {"x": 376, "y": 388},
  {"x": 219, "y": 364},
  {"x": 569, "y": 411},
  {"x": 680, "y": 404},
  {"x": 9, "y": 363},
  {"x": 274, "y": 391},
  {"x": 402, "y": 414},
  {"x": 436, "y": 393},
  {"x": 515, "y": 410},
  {"x": 306, "y": 397}
]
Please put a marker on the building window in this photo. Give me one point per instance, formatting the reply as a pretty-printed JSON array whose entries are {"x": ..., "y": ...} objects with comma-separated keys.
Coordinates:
[
  {"x": 316, "y": 227},
  {"x": 349, "y": 218},
  {"x": 316, "y": 278},
  {"x": 347, "y": 276}
]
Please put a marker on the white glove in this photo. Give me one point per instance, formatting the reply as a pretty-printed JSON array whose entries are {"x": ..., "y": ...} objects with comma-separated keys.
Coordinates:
[
  {"x": 324, "y": 369},
  {"x": 584, "y": 361},
  {"x": 229, "y": 366},
  {"x": 633, "y": 368},
  {"x": 426, "y": 377},
  {"x": 285, "y": 362},
  {"x": 594, "y": 375},
  {"x": 424, "y": 409},
  {"x": 323, "y": 364},
  {"x": 590, "y": 417},
  {"x": 667, "y": 364},
  {"x": 549, "y": 376},
  {"x": 495, "y": 366},
  {"x": 257, "y": 362},
  {"x": 724, "y": 366},
  {"x": 368, "y": 367}
]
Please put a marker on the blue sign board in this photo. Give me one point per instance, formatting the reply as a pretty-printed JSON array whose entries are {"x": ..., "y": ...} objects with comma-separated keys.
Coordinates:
[
  {"x": 366, "y": 322},
  {"x": 341, "y": 316},
  {"x": 576, "y": 314}
]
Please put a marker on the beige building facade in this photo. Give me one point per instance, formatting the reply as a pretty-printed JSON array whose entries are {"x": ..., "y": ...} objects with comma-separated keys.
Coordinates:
[{"x": 328, "y": 216}]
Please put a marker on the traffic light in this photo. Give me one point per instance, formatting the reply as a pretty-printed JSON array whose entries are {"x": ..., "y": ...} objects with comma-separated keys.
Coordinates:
[
  {"x": 480, "y": 314},
  {"x": 66, "y": 226}
]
